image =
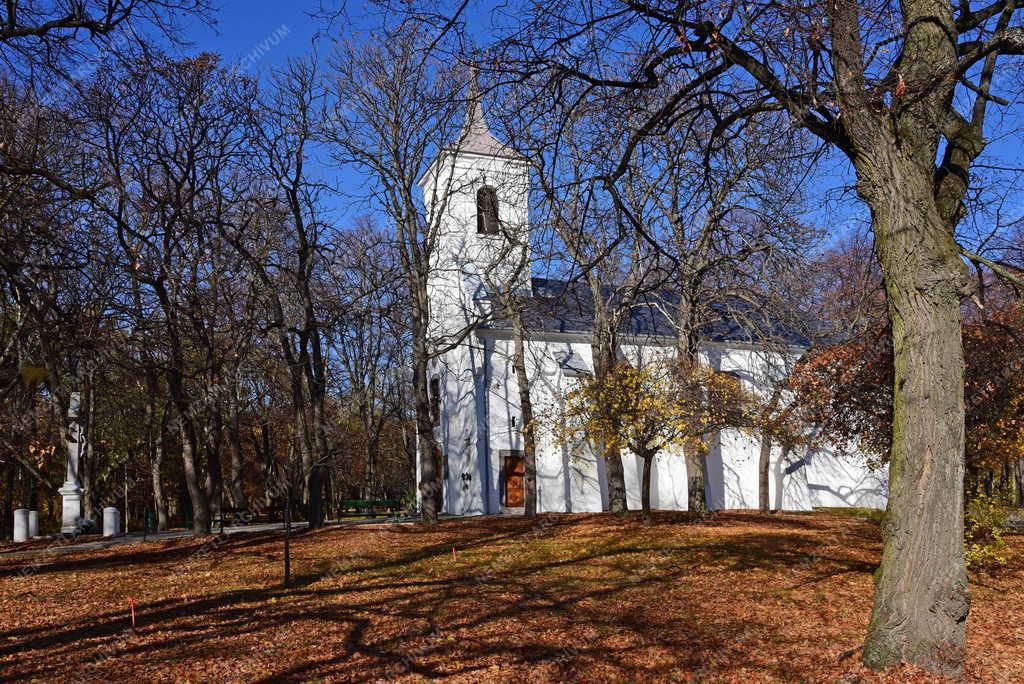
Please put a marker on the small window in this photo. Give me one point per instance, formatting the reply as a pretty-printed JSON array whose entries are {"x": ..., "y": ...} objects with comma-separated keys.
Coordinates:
[
  {"x": 513, "y": 421},
  {"x": 487, "y": 211},
  {"x": 435, "y": 400}
]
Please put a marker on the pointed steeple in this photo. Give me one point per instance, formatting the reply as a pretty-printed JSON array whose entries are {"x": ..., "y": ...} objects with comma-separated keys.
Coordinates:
[{"x": 476, "y": 136}]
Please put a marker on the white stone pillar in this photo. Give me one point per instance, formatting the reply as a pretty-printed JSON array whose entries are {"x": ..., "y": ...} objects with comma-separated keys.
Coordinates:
[
  {"x": 33, "y": 524},
  {"x": 111, "y": 522},
  {"x": 21, "y": 525},
  {"x": 71, "y": 492}
]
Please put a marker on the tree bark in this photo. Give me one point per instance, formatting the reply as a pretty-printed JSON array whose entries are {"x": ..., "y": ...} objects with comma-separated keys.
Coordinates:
[
  {"x": 764, "y": 460},
  {"x": 604, "y": 349},
  {"x": 200, "y": 505},
  {"x": 645, "y": 490},
  {"x": 696, "y": 496},
  {"x": 921, "y": 601},
  {"x": 430, "y": 478},
  {"x": 526, "y": 411}
]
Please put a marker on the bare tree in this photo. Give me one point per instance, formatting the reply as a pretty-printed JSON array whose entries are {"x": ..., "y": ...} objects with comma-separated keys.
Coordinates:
[
  {"x": 370, "y": 340},
  {"x": 592, "y": 237},
  {"x": 285, "y": 130},
  {"x": 172, "y": 137},
  {"x": 396, "y": 107},
  {"x": 70, "y": 38}
]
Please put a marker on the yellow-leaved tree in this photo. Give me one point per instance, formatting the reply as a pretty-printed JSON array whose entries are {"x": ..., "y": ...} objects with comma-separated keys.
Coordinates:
[{"x": 653, "y": 408}]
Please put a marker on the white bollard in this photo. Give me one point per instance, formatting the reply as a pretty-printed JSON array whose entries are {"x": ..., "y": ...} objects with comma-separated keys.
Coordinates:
[
  {"x": 21, "y": 525},
  {"x": 111, "y": 522},
  {"x": 33, "y": 524}
]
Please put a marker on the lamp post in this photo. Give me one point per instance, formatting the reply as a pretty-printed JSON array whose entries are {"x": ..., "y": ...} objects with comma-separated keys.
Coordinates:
[{"x": 287, "y": 536}]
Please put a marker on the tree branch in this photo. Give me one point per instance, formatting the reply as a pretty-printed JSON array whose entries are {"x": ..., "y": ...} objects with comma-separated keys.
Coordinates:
[{"x": 1004, "y": 271}]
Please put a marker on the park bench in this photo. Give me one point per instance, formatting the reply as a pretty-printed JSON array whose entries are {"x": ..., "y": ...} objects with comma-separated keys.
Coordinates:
[
  {"x": 358, "y": 508},
  {"x": 244, "y": 516}
]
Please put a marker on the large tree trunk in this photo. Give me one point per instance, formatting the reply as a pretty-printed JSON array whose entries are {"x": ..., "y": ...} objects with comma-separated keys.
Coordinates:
[
  {"x": 200, "y": 505},
  {"x": 526, "y": 411},
  {"x": 764, "y": 460},
  {"x": 604, "y": 349},
  {"x": 645, "y": 490},
  {"x": 430, "y": 485},
  {"x": 921, "y": 601},
  {"x": 696, "y": 496},
  {"x": 238, "y": 499}
]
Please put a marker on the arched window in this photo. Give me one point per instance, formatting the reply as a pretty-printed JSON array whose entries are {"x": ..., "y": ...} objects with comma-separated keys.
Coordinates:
[{"x": 487, "y": 211}]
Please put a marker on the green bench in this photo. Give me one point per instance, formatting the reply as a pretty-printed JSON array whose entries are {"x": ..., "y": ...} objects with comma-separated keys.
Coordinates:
[{"x": 358, "y": 508}]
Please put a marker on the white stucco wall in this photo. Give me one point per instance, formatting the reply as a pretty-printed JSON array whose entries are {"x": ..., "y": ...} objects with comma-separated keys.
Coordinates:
[
  {"x": 571, "y": 478},
  {"x": 481, "y": 419},
  {"x": 843, "y": 478},
  {"x": 464, "y": 264}
]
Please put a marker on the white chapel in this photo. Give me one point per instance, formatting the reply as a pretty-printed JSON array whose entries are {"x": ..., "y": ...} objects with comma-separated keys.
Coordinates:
[{"x": 478, "y": 184}]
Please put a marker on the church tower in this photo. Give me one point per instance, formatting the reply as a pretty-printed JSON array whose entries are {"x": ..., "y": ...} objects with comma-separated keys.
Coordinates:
[{"x": 476, "y": 197}]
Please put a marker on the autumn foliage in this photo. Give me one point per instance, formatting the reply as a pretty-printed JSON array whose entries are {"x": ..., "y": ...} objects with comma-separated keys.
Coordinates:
[
  {"x": 846, "y": 389},
  {"x": 655, "y": 407}
]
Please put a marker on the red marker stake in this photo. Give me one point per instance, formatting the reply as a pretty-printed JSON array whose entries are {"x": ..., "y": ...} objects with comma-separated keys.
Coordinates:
[
  {"x": 131, "y": 602},
  {"x": 455, "y": 556}
]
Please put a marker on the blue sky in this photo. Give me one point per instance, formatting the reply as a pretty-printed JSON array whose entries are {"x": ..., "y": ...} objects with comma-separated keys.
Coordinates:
[
  {"x": 243, "y": 29},
  {"x": 243, "y": 25},
  {"x": 241, "y": 34}
]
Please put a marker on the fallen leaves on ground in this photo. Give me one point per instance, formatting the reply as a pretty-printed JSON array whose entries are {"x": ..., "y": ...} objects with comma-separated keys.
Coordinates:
[{"x": 735, "y": 598}]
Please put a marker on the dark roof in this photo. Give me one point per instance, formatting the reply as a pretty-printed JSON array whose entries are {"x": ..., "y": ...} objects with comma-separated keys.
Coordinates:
[{"x": 567, "y": 307}]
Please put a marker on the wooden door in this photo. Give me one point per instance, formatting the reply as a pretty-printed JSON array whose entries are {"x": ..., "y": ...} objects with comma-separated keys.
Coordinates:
[{"x": 515, "y": 472}]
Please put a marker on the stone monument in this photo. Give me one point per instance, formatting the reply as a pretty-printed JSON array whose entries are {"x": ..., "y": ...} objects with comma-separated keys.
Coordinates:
[{"x": 71, "y": 491}]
